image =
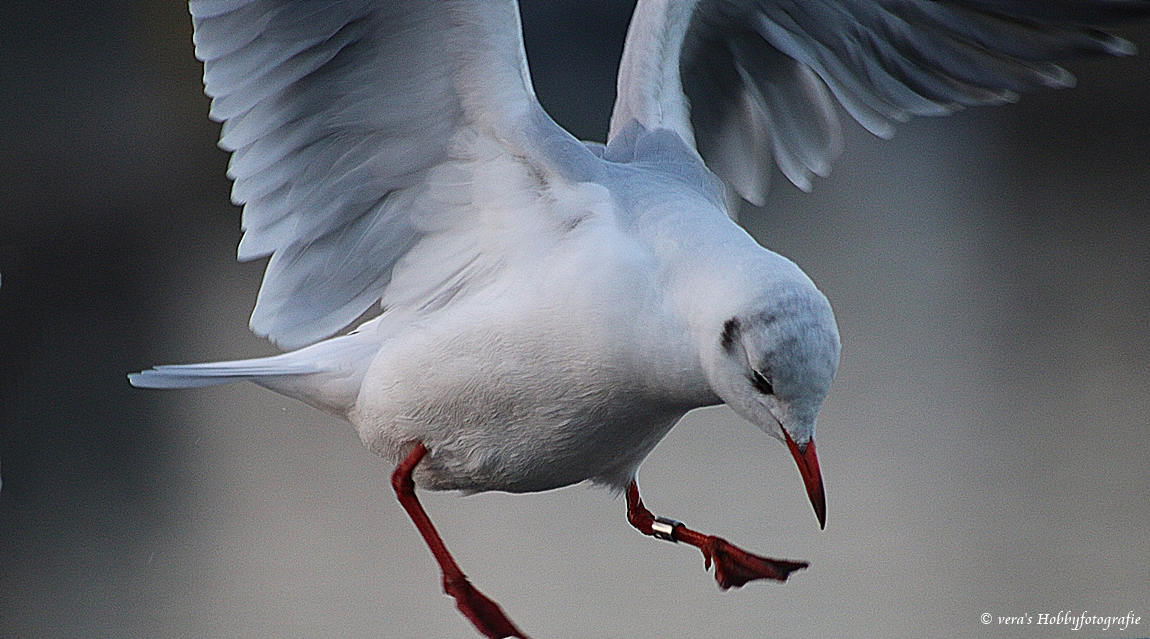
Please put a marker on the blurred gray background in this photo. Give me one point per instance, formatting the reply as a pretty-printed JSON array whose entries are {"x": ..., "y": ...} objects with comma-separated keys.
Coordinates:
[{"x": 984, "y": 449}]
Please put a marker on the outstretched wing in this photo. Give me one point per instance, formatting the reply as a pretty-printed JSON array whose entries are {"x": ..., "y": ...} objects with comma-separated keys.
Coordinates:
[
  {"x": 749, "y": 81},
  {"x": 355, "y": 128}
]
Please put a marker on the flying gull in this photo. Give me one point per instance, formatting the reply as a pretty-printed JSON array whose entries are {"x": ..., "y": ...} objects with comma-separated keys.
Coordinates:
[{"x": 550, "y": 307}]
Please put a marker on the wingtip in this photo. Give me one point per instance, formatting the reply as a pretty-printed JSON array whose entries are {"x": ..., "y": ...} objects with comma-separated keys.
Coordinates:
[{"x": 1120, "y": 47}]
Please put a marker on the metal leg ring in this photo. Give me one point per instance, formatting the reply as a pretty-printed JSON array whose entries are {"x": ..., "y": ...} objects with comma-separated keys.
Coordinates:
[{"x": 663, "y": 528}]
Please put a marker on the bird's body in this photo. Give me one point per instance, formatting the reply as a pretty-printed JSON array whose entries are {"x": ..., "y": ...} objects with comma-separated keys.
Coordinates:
[
  {"x": 498, "y": 411},
  {"x": 576, "y": 359},
  {"x": 542, "y": 378},
  {"x": 551, "y": 308}
]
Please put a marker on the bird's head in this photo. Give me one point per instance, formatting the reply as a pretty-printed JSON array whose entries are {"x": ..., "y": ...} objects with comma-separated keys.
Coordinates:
[{"x": 773, "y": 361}]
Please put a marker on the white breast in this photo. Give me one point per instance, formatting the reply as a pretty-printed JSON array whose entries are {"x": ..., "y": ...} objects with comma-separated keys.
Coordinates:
[{"x": 546, "y": 381}]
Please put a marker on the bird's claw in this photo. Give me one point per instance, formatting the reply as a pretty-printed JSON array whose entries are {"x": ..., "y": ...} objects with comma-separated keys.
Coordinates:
[
  {"x": 486, "y": 615},
  {"x": 734, "y": 567}
]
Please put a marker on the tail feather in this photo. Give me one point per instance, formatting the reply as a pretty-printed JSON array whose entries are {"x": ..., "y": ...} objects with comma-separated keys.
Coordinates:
[
  {"x": 213, "y": 373},
  {"x": 327, "y": 375}
]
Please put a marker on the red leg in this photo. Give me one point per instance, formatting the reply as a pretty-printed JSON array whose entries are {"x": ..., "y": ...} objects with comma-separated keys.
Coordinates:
[
  {"x": 484, "y": 613},
  {"x": 733, "y": 565}
]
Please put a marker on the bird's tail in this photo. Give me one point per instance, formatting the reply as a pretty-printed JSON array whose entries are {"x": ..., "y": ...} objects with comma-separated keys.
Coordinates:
[{"x": 327, "y": 375}]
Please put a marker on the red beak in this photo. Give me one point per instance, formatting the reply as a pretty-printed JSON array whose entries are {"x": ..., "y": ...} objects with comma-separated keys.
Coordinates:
[{"x": 809, "y": 468}]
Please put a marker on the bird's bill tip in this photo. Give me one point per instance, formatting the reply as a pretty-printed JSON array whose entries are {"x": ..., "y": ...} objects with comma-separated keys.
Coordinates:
[{"x": 808, "y": 463}]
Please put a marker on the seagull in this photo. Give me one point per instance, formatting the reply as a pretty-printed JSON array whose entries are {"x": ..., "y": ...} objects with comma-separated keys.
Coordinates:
[{"x": 542, "y": 310}]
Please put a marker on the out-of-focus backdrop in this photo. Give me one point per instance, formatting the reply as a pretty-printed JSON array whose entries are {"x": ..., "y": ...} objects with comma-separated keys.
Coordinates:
[{"x": 985, "y": 447}]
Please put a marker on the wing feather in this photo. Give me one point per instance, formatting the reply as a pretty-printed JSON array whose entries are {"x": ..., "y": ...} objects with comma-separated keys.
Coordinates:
[
  {"x": 336, "y": 114},
  {"x": 718, "y": 71}
]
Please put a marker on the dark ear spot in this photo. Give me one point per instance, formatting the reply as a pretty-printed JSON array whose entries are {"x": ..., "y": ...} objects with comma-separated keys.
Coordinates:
[{"x": 730, "y": 334}]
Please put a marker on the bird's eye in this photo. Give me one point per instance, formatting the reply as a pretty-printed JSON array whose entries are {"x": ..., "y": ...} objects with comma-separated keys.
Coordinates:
[{"x": 761, "y": 383}]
